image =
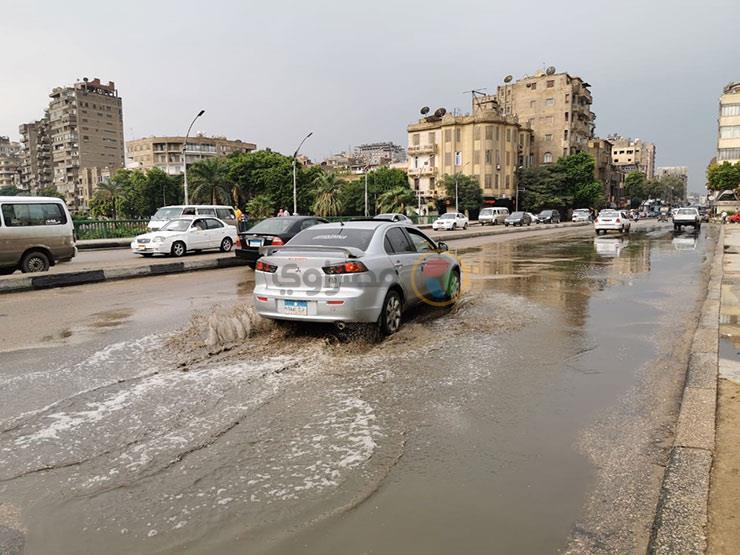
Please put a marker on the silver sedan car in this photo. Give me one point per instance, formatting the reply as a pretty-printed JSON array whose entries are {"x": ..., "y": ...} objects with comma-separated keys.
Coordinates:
[{"x": 355, "y": 271}]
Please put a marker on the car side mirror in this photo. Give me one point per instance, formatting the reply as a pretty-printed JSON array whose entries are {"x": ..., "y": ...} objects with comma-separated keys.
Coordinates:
[{"x": 442, "y": 247}]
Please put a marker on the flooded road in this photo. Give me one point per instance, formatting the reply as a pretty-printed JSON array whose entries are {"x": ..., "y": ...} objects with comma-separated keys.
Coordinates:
[{"x": 532, "y": 417}]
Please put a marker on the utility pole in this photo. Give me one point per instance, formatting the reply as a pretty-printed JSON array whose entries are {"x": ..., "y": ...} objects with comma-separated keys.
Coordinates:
[{"x": 295, "y": 187}]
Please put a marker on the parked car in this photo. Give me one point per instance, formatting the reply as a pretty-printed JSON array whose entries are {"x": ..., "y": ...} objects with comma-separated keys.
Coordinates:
[
  {"x": 167, "y": 213},
  {"x": 534, "y": 218},
  {"x": 518, "y": 218},
  {"x": 688, "y": 216},
  {"x": 272, "y": 231},
  {"x": 549, "y": 217},
  {"x": 582, "y": 215},
  {"x": 360, "y": 271},
  {"x": 35, "y": 233},
  {"x": 450, "y": 221},
  {"x": 612, "y": 220},
  {"x": 394, "y": 217},
  {"x": 187, "y": 233},
  {"x": 734, "y": 218},
  {"x": 493, "y": 215}
]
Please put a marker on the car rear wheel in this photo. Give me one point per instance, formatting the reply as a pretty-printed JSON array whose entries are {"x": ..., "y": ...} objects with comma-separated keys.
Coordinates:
[
  {"x": 454, "y": 227},
  {"x": 390, "y": 315},
  {"x": 226, "y": 244},
  {"x": 35, "y": 261},
  {"x": 465, "y": 225},
  {"x": 178, "y": 249}
]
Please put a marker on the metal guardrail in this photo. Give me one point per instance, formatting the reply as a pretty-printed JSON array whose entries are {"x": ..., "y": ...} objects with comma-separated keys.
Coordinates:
[{"x": 108, "y": 229}]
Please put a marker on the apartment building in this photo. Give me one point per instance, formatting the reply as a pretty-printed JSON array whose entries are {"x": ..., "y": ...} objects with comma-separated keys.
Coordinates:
[
  {"x": 556, "y": 106},
  {"x": 380, "y": 154},
  {"x": 633, "y": 155},
  {"x": 82, "y": 130},
  {"x": 37, "y": 171},
  {"x": 9, "y": 163},
  {"x": 166, "y": 153},
  {"x": 728, "y": 136},
  {"x": 681, "y": 172},
  {"x": 485, "y": 144},
  {"x": 605, "y": 172}
]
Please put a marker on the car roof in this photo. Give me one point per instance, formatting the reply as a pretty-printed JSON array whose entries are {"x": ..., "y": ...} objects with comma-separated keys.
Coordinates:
[
  {"x": 29, "y": 199},
  {"x": 358, "y": 224}
]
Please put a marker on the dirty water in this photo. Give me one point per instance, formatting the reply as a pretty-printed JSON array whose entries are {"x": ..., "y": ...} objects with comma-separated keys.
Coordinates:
[{"x": 500, "y": 425}]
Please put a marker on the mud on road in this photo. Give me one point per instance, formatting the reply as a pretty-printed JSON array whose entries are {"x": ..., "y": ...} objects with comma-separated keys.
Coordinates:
[{"x": 494, "y": 423}]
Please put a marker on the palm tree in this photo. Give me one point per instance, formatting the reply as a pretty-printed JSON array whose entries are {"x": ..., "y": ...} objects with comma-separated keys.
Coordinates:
[
  {"x": 396, "y": 199},
  {"x": 328, "y": 191},
  {"x": 210, "y": 179},
  {"x": 111, "y": 190},
  {"x": 260, "y": 207}
]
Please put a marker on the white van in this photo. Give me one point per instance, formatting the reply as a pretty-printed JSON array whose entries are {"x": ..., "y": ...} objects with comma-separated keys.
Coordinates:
[
  {"x": 493, "y": 215},
  {"x": 35, "y": 233},
  {"x": 167, "y": 213}
]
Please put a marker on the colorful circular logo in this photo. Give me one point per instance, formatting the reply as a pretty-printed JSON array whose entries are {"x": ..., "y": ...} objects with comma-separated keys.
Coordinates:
[{"x": 437, "y": 280}]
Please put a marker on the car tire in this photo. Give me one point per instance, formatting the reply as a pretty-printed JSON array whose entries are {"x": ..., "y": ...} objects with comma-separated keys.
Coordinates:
[
  {"x": 390, "y": 314},
  {"x": 34, "y": 261},
  {"x": 226, "y": 244},
  {"x": 465, "y": 226},
  {"x": 454, "y": 227},
  {"x": 178, "y": 249}
]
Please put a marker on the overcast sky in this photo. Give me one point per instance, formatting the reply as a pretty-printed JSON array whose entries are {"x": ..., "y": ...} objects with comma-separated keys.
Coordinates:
[{"x": 354, "y": 72}]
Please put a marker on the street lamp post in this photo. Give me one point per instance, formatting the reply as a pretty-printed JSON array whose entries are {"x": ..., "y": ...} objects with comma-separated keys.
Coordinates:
[
  {"x": 295, "y": 187},
  {"x": 184, "y": 158},
  {"x": 367, "y": 169}
]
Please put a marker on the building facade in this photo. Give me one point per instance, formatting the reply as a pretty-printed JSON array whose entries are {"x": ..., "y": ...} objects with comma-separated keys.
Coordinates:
[
  {"x": 556, "y": 106},
  {"x": 728, "y": 136},
  {"x": 82, "y": 130},
  {"x": 166, "y": 153},
  {"x": 486, "y": 145},
  {"x": 605, "y": 172},
  {"x": 633, "y": 155},
  {"x": 10, "y": 163},
  {"x": 380, "y": 154},
  {"x": 681, "y": 172}
]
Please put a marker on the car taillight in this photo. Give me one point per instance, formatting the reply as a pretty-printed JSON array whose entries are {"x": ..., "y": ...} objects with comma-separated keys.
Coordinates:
[
  {"x": 345, "y": 268},
  {"x": 618, "y": 221},
  {"x": 277, "y": 241},
  {"x": 265, "y": 267}
]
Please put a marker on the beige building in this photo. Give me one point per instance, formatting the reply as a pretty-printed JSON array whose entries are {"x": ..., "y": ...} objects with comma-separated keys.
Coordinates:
[
  {"x": 556, "y": 106},
  {"x": 485, "y": 144},
  {"x": 633, "y": 155},
  {"x": 82, "y": 130},
  {"x": 10, "y": 163},
  {"x": 37, "y": 171},
  {"x": 605, "y": 172},
  {"x": 728, "y": 137},
  {"x": 166, "y": 153}
]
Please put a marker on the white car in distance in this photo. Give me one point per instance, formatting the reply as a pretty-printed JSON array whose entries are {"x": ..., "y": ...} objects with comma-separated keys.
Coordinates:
[
  {"x": 450, "y": 221},
  {"x": 185, "y": 234}
]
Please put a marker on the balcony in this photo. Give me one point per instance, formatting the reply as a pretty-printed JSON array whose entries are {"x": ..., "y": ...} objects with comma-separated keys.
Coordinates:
[
  {"x": 414, "y": 150},
  {"x": 423, "y": 170}
]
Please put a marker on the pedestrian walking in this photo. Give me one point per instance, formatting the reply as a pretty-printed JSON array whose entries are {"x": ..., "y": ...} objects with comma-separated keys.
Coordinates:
[{"x": 280, "y": 213}]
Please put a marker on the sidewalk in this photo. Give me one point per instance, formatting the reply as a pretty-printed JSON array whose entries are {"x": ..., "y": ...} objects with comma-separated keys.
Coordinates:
[{"x": 724, "y": 497}]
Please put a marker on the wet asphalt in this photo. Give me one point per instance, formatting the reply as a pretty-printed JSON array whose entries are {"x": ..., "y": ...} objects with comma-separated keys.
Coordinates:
[{"x": 532, "y": 417}]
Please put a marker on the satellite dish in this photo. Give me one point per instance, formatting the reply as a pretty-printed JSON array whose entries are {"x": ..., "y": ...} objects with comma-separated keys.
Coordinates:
[
  {"x": 439, "y": 112},
  {"x": 508, "y": 79},
  {"x": 550, "y": 70},
  {"x": 424, "y": 110}
]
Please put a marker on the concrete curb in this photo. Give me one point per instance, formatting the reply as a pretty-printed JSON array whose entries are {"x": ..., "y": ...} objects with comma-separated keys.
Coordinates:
[
  {"x": 66, "y": 279},
  {"x": 681, "y": 518}
]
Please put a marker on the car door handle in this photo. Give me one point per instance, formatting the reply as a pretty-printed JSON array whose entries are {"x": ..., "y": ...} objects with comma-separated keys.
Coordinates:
[{"x": 398, "y": 265}]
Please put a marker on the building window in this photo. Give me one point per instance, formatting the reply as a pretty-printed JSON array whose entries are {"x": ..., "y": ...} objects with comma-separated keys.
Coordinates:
[
  {"x": 489, "y": 156},
  {"x": 489, "y": 132},
  {"x": 498, "y": 158},
  {"x": 498, "y": 136},
  {"x": 458, "y": 134},
  {"x": 550, "y": 101},
  {"x": 415, "y": 139},
  {"x": 550, "y": 83},
  {"x": 432, "y": 183},
  {"x": 431, "y": 161},
  {"x": 729, "y": 131},
  {"x": 448, "y": 135},
  {"x": 508, "y": 182},
  {"x": 448, "y": 158},
  {"x": 565, "y": 134},
  {"x": 508, "y": 158},
  {"x": 533, "y": 104},
  {"x": 730, "y": 110},
  {"x": 431, "y": 138},
  {"x": 476, "y": 157},
  {"x": 567, "y": 98},
  {"x": 533, "y": 87},
  {"x": 566, "y": 116},
  {"x": 508, "y": 134},
  {"x": 487, "y": 181},
  {"x": 476, "y": 133},
  {"x": 547, "y": 158},
  {"x": 548, "y": 138},
  {"x": 498, "y": 181}
]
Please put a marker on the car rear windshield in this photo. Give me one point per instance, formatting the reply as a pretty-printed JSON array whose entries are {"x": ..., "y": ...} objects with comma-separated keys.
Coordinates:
[
  {"x": 334, "y": 237},
  {"x": 517, "y": 214},
  {"x": 609, "y": 213},
  {"x": 272, "y": 226},
  {"x": 691, "y": 211},
  {"x": 167, "y": 213}
]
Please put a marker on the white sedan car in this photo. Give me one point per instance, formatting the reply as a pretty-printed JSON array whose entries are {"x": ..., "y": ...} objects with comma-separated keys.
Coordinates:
[
  {"x": 612, "y": 220},
  {"x": 185, "y": 234},
  {"x": 450, "y": 221}
]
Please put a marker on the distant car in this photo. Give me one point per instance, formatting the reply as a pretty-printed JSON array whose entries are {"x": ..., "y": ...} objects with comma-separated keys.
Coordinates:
[
  {"x": 271, "y": 232},
  {"x": 224, "y": 213},
  {"x": 734, "y": 218},
  {"x": 492, "y": 215},
  {"x": 612, "y": 220},
  {"x": 581, "y": 215},
  {"x": 534, "y": 218},
  {"x": 518, "y": 218},
  {"x": 187, "y": 233},
  {"x": 549, "y": 217},
  {"x": 688, "y": 216},
  {"x": 451, "y": 221},
  {"x": 394, "y": 217},
  {"x": 355, "y": 271}
]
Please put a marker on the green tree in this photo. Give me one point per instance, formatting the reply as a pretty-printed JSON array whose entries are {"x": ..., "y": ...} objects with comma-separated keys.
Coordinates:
[
  {"x": 721, "y": 177},
  {"x": 576, "y": 171},
  {"x": 328, "y": 200},
  {"x": 590, "y": 195},
  {"x": 468, "y": 192},
  {"x": 396, "y": 199},
  {"x": 9, "y": 191},
  {"x": 635, "y": 188},
  {"x": 260, "y": 207},
  {"x": 50, "y": 191},
  {"x": 112, "y": 191},
  {"x": 211, "y": 182},
  {"x": 542, "y": 187}
]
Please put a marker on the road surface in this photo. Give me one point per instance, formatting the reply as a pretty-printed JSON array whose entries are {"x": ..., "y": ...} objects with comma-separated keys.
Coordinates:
[{"x": 532, "y": 417}]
